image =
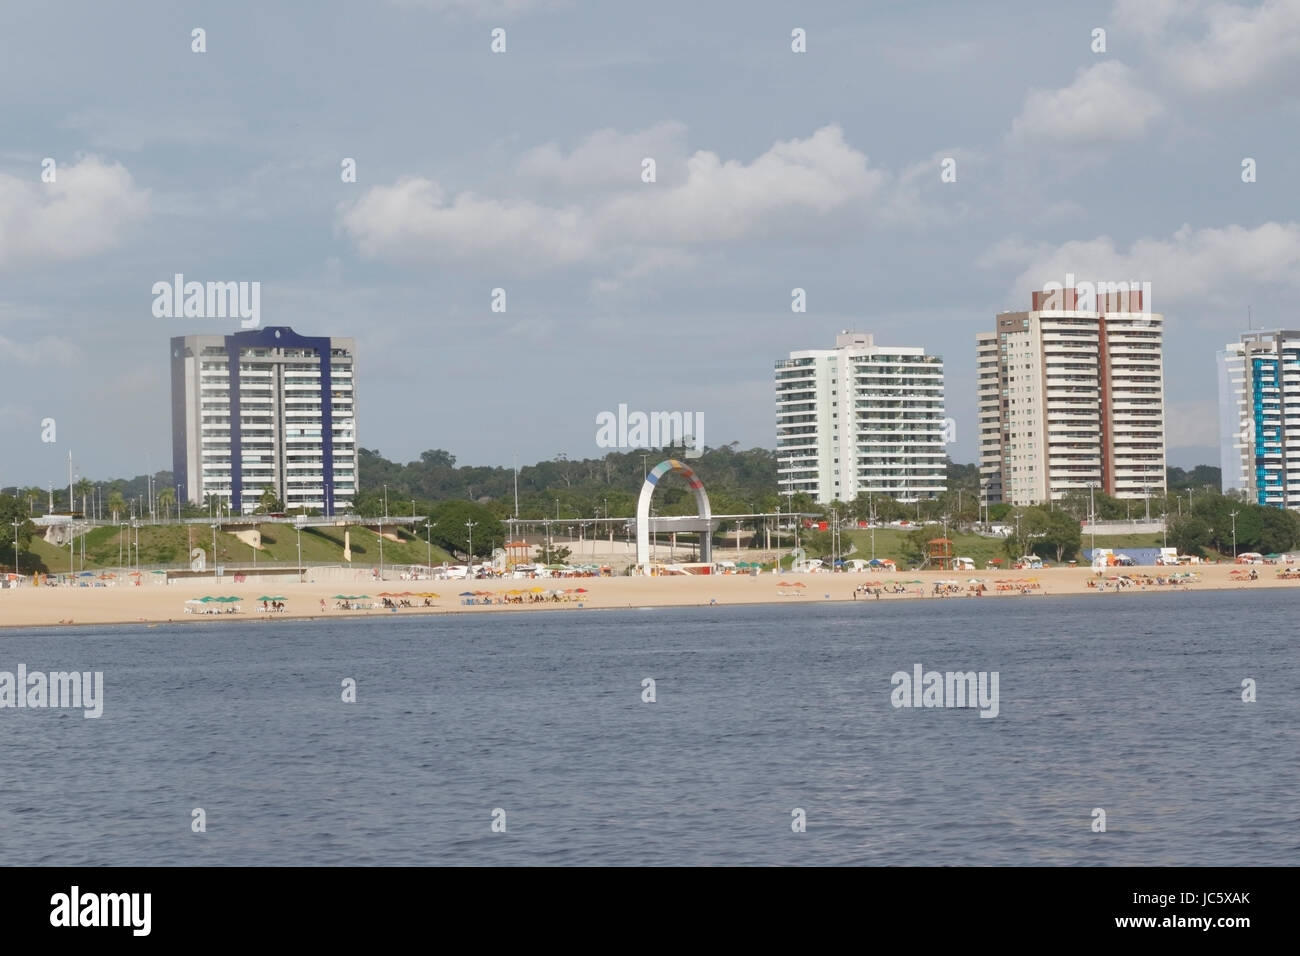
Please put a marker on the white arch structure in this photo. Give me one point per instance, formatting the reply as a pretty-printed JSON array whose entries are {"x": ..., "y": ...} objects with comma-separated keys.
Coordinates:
[{"x": 643, "y": 510}]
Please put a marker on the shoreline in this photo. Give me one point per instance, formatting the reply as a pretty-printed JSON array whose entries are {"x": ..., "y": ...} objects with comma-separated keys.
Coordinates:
[{"x": 157, "y": 604}]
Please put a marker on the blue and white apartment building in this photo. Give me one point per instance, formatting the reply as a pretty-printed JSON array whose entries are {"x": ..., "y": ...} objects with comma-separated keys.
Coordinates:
[
  {"x": 1259, "y": 417},
  {"x": 265, "y": 408}
]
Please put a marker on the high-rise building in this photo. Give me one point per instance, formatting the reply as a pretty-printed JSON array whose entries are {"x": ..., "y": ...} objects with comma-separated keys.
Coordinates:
[
  {"x": 1259, "y": 417},
  {"x": 1071, "y": 396},
  {"x": 860, "y": 418},
  {"x": 266, "y": 408}
]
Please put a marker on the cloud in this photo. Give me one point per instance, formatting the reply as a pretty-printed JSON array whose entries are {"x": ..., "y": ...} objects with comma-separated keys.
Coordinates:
[
  {"x": 795, "y": 186},
  {"x": 1243, "y": 47},
  {"x": 1192, "y": 263},
  {"x": 82, "y": 213},
  {"x": 413, "y": 221},
  {"x": 609, "y": 158},
  {"x": 47, "y": 350},
  {"x": 1104, "y": 104},
  {"x": 1148, "y": 18},
  {"x": 780, "y": 191}
]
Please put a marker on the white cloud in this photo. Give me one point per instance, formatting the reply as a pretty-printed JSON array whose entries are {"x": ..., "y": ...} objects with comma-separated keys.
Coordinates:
[
  {"x": 45, "y": 351},
  {"x": 1190, "y": 264},
  {"x": 1147, "y": 17},
  {"x": 81, "y": 213},
  {"x": 779, "y": 191},
  {"x": 413, "y": 222},
  {"x": 1243, "y": 47},
  {"x": 1104, "y": 104},
  {"x": 794, "y": 186},
  {"x": 610, "y": 158}
]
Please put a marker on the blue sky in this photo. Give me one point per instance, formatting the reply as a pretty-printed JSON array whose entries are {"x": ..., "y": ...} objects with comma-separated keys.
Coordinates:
[{"x": 522, "y": 171}]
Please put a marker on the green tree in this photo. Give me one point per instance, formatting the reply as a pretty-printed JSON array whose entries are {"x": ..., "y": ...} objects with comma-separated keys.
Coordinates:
[
  {"x": 268, "y": 502},
  {"x": 450, "y": 531},
  {"x": 1062, "y": 536},
  {"x": 82, "y": 490},
  {"x": 13, "y": 510},
  {"x": 116, "y": 504},
  {"x": 1189, "y": 534},
  {"x": 555, "y": 554},
  {"x": 166, "y": 499}
]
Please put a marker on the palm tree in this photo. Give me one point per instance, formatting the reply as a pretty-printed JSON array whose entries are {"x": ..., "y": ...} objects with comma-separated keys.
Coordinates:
[
  {"x": 82, "y": 488},
  {"x": 167, "y": 498},
  {"x": 116, "y": 503}
]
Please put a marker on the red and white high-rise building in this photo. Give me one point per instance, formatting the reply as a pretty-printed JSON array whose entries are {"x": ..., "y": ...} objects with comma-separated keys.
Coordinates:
[{"x": 1071, "y": 396}]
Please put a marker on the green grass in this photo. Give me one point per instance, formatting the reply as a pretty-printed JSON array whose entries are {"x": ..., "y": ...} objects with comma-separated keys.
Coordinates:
[{"x": 171, "y": 545}]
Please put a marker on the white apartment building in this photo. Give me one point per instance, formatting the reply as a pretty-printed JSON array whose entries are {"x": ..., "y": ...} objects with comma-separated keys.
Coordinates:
[
  {"x": 860, "y": 418},
  {"x": 1071, "y": 396},
  {"x": 266, "y": 408},
  {"x": 1259, "y": 417}
]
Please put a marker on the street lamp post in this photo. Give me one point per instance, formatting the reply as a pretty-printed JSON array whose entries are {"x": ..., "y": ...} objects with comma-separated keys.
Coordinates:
[
  {"x": 297, "y": 526},
  {"x": 428, "y": 544},
  {"x": 470, "y": 526},
  {"x": 381, "y": 535},
  {"x": 1233, "y": 515},
  {"x": 1092, "y": 517},
  {"x": 17, "y": 525}
]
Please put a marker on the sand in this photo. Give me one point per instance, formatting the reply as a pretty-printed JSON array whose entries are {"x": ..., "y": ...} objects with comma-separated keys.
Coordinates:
[{"x": 45, "y": 606}]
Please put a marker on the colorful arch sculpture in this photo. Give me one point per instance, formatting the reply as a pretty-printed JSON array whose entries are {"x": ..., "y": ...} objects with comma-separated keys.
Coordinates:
[{"x": 643, "y": 509}]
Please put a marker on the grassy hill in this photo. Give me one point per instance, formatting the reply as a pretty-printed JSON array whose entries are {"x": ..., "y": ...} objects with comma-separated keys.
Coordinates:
[{"x": 170, "y": 545}]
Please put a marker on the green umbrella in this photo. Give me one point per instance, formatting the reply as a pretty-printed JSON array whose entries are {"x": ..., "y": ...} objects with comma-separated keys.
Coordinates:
[{"x": 265, "y": 598}]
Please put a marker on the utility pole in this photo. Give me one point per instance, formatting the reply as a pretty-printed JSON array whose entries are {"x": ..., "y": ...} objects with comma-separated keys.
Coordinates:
[{"x": 1092, "y": 516}]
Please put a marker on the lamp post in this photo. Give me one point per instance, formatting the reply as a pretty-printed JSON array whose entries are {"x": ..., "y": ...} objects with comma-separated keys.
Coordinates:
[
  {"x": 298, "y": 528},
  {"x": 17, "y": 525},
  {"x": 1092, "y": 516},
  {"x": 1164, "y": 531},
  {"x": 214, "y": 548},
  {"x": 381, "y": 535},
  {"x": 470, "y": 526},
  {"x": 1233, "y": 516},
  {"x": 428, "y": 544}
]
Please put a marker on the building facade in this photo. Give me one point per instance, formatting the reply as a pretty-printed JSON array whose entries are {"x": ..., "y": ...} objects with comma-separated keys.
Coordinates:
[
  {"x": 861, "y": 418},
  {"x": 265, "y": 408},
  {"x": 1259, "y": 417},
  {"x": 1071, "y": 396}
]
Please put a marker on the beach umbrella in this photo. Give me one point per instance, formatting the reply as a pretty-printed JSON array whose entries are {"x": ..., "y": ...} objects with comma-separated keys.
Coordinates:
[
  {"x": 581, "y": 590},
  {"x": 465, "y": 594},
  {"x": 339, "y": 597},
  {"x": 535, "y": 590},
  {"x": 266, "y": 598}
]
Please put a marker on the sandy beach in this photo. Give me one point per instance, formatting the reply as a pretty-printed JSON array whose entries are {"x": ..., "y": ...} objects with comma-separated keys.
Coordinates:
[{"x": 153, "y": 603}]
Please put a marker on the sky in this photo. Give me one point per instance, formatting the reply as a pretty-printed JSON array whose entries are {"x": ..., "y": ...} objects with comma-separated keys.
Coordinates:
[{"x": 523, "y": 170}]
